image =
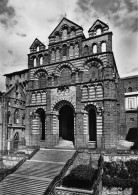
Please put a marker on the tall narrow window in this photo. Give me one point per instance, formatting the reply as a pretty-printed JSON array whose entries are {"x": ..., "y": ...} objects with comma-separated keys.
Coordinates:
[
  {"x": 34, "y": 62},
  {"x": 65, "y": 77},
  {"x": 130, "y": 89},
  {"x": 8, "y": 117},
  {"x": 103, "y": 47},
  {"x": 94, "y": 48},
  {"x": 16, "y": 117},
  {"x": 98, "y": 31},
  {"x": 42, "y": 81},
  {"x": 37, "y": 49},
  {"x": 64, "y": 34},
  {"x": 64, "y": 50},
  {"x": 41, "y": 60},
  {"x": 71, "y": 52}
]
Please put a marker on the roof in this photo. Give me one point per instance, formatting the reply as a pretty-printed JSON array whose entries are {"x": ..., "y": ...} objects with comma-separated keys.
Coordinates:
[
  {"x": 36, "y": 41},
  {"x": 129, "y": 77},
  {"x": 104, "y": 25},
  {"x": 68, "y": 21},
  {"x": 16, "y": 73}
]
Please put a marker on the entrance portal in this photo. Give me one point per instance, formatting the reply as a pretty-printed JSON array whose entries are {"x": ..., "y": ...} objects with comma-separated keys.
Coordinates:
[
  {"x": 41, "y": 114},
  {"x": 92, "y": 124},
  {"x": 66, "y": 123}
]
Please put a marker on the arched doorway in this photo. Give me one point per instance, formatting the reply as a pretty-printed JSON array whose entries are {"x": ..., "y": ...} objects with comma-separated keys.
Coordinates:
[
  {"x": 66, "y": 123},
  {"x": 92, "y": 124},
  {"x": 41, "y": 114}
]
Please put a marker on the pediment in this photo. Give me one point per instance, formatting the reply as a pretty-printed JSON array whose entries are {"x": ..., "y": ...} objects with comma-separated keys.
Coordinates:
[
  {"x": 65, "y": 22},
  {"x": 37, "y": 43},
  {"x": 98, "y": 23}
]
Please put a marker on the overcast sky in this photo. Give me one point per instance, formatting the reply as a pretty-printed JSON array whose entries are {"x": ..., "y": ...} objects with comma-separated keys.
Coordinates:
[{"x": 22, "y": 21}]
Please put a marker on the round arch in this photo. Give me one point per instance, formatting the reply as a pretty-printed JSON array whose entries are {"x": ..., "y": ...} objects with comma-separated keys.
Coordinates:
[
  {"x": 41, "y": 115},
  {"x": 66, "y": 120}
]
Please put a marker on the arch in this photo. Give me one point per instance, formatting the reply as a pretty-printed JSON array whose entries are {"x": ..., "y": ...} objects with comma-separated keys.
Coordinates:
[
  {"x": 94, "y": 61},
  {"x": 41, "y": 115},
  {"x": 8, "y": 116},
  {"x": 103, "y": 46},
  {"x": 59, "y": 68},
  {"x": 34, "y": 59},
  {"x": 57, "y": 54},
  {"x": 16, "y": 116},
  {"x": 66, "y": 122},
  {"x": 98, "y": 31},
  {"x": 72, "y": 31},
  {"x": 94, "y": 48},
  {"x": 64, "y": 50},
  {"x": 130, "y": 89},
  {"x": 38, "y": 48},
  {"x": 86, "y": 50},
  {"x": 65, "y": 76},
  {"x": 64, "y": 31},
  {"x": 42, "y": 81},
  {"x": 40, "y": 59},
  {"x": 61, "y": 103},
  {"x": 16, "y": 140},
  {"x": 57, "y": 36},
  {"x": 40, "y": 72}
]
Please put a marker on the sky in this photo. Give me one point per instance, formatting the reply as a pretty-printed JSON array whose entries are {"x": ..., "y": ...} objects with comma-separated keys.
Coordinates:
[{"x": 22, "y": 21}]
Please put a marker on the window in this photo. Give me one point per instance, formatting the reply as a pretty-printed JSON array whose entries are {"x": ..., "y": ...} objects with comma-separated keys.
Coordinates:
[
  {"x": 131, "y": 119},
  {"x": 57, "y": 54},
  {"x": 8, "y": 117},
  {"x": 42, "y": 81},
  {"x": 64, "y": 50},
  {"x": 131, "y": 103},
  {"x": 71, "y": 51},
  {"x": 98, "y": 31},
  {"x": 94, "y": 48},
  {"x": 64, "y": 34},
  {"x": 37, "y": 49},
  {"x": 103, "y": 47},
  {"x": 86, "y": 50},
  {"x": 130, "y": 89},
  {"x": 53, "y": 55},
  {"x": 41, "y": 60},
  {"x": 65, "y": 76},
  {"x": 34, "y": 62},
  {"x": 16, "y": 117}
]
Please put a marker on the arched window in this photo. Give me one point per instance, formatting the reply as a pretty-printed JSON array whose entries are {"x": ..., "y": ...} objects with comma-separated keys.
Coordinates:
[
  {"x": 65, "y": 77},
  {"x": 76, "y": 50},
  {"x": 41, "y": 60},
  {"x": 64, "y": 34},
  {"x": 130, "y": 89},
  {"x": 53, "y": 55},
  {"x": 71, "y": 51},
  {"x": 64, "y": 50},
  {"x": 23, "y": 120},
  {"x": 98, "y": 31},
  {"x": 16, "y": 117},
  {"x": 72, "y": 34},
  {"x": 94, "y": 49},
  {"x": 85, "y": 50},
  {"x": 42, "y": 81},
  {"x": 57, "y": 37},
  {"x": 46, "y": 59},
  {"x": 8, "y": 117},
  {"x": 34, "y": 62},
  {"x": 57, "y": 54},
  {"x": 37, "y": 48},
  {"x": 103, "y": 47}
]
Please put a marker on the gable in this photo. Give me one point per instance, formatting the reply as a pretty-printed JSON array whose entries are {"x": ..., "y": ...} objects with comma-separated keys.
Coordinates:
[
  {"x": 98, "y": 23},
  {"x": 65, "y": 22},
  {"x": 37, "y": 43}
]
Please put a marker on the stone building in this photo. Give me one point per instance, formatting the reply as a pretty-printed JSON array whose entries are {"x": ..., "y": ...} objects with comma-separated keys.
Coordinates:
[
  {"x": 131, "y": 105},
  {"x": 70, "y": 91}
]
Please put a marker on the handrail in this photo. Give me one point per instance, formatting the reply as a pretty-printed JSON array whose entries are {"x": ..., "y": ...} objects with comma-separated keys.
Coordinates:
[{"x": 58, "y": 179}]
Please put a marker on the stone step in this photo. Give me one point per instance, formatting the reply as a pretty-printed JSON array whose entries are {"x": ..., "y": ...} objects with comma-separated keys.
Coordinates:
[
  {"x": 34, "y": 176},
  {"x": 54, "y": 155}
]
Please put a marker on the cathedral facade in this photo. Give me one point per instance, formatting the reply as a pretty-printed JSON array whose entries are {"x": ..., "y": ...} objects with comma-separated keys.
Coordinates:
[{"x": 70, "y": 91}]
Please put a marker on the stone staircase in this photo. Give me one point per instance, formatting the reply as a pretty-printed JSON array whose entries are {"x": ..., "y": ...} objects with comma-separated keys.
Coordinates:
[{"x": 34, "y": 176}]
